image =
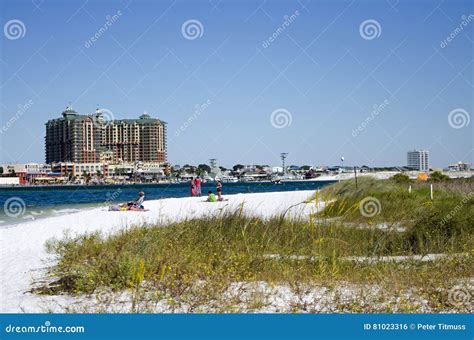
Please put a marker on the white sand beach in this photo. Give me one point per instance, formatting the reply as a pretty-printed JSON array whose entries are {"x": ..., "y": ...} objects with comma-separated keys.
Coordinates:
[{"x": 24, "y": 259}]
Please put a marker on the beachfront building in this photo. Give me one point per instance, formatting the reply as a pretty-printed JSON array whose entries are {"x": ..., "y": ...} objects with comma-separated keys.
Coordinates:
[
  {"x": 124, "y": 170},
  {"x": 25, "y": 172},
  {"x": 418, "y": 160},
  {"x": 73, "y": 137},
  {"x": 78, "y": 138},
  {"x": 62, "y": 169},
  {"x": 133, "y": 140},
  {"x": 79, "y": 169}
]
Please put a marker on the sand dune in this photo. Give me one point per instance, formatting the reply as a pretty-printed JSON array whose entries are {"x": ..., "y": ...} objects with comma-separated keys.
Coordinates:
[{"x": 24, "y": 259}]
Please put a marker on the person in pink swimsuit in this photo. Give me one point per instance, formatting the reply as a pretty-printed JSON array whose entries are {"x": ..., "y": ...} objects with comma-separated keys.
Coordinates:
[
  {"x": 198, "y": 182},
  {"x": 193, "y": 187}
]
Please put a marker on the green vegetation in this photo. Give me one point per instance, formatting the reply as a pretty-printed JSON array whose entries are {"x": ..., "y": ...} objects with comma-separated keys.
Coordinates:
[
  {"x": 438, "y": 176},
  {"x": 397, "y": 204},
  {"x": 401, "y": 178},
  {"x": 195, "y": 262}
]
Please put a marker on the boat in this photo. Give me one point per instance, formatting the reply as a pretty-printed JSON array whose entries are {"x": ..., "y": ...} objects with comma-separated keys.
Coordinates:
[{"x": 229, "y": 179}]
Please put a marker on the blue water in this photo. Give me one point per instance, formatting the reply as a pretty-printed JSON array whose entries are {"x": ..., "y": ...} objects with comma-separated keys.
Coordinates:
[{"x": 26, "y": 203}]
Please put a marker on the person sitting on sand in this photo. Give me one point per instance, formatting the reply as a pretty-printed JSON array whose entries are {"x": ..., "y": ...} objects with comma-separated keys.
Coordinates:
[
  {"x": 211, "y": 197},
  {"x": 137, "y": 204}
]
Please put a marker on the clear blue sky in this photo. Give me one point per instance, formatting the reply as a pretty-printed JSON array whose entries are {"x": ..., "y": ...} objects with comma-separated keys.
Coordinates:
[{"x": 320, "y": 69}]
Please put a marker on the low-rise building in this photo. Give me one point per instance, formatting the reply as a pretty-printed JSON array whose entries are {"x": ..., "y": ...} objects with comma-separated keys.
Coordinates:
[
  {"x": 9, "y": 180},
  {"x": 90, "y": 169},
  {"x": 25, "y": 172},
  {"x": 124, "y": 169},
  {"x": 460, "y": 166},
  {"x": 62, "y": 169}
]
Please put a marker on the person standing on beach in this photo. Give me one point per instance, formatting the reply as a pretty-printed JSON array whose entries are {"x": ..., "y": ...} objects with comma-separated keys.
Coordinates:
[
  {"x": 219, "y": 190},
  {"x": 198, "y": 182},
  {"x": 193, "y": 187}
]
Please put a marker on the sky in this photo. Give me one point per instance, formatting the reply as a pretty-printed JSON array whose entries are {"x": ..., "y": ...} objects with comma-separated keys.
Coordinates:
[{"x": 243, "y": 81}]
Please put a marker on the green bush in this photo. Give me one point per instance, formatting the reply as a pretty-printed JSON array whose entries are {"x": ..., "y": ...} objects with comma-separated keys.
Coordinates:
[
  {"x": 401, "y": 178},
  {"x": 438, "y": 176}
]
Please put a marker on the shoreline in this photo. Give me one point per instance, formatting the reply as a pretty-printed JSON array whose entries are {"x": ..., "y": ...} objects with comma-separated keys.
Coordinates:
[
  {"x": 29, "y": 186},
  {"x": 24, "y": 260},
  {"x": 323, "y": 178}
]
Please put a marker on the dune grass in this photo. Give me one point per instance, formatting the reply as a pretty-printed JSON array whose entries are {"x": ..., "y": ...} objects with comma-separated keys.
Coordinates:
[
  {"x": 444, "y": 223},
  {"x": 196, "y": 261},
  {"x": 396, "y": 202}
]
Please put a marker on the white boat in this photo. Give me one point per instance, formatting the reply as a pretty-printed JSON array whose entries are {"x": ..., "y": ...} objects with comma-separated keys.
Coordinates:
[{"x": 229, "y": 179}]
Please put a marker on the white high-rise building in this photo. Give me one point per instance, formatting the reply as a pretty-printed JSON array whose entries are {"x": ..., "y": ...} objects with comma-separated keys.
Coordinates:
[{"x": 419, "y": 160}]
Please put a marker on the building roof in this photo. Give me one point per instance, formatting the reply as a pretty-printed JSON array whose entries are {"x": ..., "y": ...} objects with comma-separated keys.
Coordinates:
[
  {"x": 70, "y": 114},
  {"x": 143, "y": 119}
]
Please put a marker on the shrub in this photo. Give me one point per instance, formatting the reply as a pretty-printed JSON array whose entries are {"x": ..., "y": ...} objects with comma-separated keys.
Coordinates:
[
  {"x": 438, "y": 176},
  {"x": 401, "y": 178}
]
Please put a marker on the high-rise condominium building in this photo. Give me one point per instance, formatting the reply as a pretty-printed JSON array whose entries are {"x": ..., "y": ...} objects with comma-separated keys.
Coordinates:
[
  {"x": 73, "y": 138},
  {"x": 130, "y": 140},
  {"x": 419, "y": 160},
  {"x": 88, "y": 138}
]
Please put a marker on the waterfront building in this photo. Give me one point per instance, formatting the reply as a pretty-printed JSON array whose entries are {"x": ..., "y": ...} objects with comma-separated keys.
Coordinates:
[
  {"x": 10, "y": 181},
  {"x": 418, "y": 160},
  {"x": 79, "y": 169},
  {"x": 62, "y": 168},
  {"x": 25, "y": 172},
  {"x": 73, "y": 137},
  {"x": 124, "y": 169},
  {"x": 132, "y": 140},
  {"x": 78, "y": 138}
]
